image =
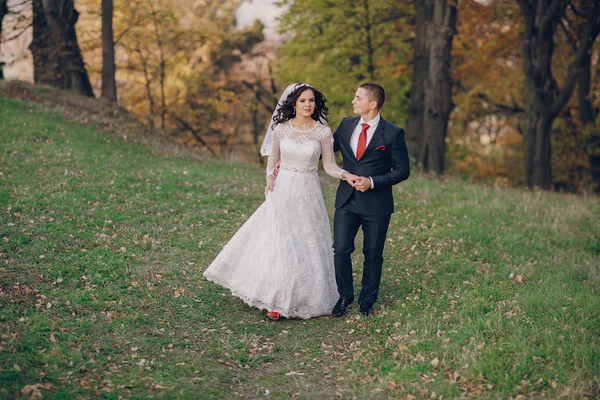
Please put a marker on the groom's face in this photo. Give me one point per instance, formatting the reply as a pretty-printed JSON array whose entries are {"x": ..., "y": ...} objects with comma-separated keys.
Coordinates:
[{"x": 361, "y": 102}]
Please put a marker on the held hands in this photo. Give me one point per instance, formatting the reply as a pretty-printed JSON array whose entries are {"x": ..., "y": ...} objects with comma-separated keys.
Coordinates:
[
  {"x": 362, "y": 184},
  {"x": 357, "y": 182}
]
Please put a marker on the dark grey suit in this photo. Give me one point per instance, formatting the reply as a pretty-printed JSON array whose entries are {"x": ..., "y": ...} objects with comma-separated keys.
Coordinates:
[{"x": 385, "y": 160}]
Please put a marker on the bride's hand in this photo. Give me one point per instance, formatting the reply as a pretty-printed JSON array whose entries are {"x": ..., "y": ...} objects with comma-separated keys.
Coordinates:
[
  {"x": 270, "y": 184},
  {"x": 350, "y": 178}
]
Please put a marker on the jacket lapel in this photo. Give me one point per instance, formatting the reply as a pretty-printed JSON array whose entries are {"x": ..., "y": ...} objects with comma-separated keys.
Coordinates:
[
  {"x": 376, "y": 137},
  {"x": 348, "y": 135}
]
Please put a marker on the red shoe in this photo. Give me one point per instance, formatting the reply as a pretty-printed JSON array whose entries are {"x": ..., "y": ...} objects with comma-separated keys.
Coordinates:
[{"x": 272, "y": 315}]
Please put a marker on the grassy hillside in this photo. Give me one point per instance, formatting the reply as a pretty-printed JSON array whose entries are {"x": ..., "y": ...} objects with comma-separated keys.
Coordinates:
[{"x": 105, "y": 230}]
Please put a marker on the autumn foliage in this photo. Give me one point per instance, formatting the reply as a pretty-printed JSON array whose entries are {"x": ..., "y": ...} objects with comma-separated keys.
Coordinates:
[{"x": 188, "y": 69}]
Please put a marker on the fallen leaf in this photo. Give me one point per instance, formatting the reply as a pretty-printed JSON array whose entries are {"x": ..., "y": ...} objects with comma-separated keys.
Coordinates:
[
  {"x": 32, "y": 391},
  {"x": 520, "y": 279}
]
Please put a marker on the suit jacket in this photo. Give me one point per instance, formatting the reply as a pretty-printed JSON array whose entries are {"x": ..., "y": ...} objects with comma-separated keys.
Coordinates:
[{"x": 385, "y": 160}]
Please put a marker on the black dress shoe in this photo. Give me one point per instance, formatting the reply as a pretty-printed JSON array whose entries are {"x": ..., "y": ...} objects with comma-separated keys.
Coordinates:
[
  {"x": 341, "y": 307},
  {"x": 367, "y": 310}
]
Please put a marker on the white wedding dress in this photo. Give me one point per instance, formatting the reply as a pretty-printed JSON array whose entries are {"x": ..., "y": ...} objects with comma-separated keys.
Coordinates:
[{"x": 281, "y": 259}]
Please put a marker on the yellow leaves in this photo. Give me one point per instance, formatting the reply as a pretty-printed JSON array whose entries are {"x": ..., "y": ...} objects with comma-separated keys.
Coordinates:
[
  {"x": 352, "y": 319},
  {"x": 453, "y": 377},
  {"x": 520, "y": 279},
  {"x": 35, "y": 391},
  {"x": 517, "y": 278},
  {"x": 84, "y": 383},
  {"x": 395, "y": 386}
]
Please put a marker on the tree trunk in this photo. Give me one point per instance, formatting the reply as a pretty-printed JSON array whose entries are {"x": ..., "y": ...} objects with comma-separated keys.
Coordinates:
[
  {"x": 438, "y": 85},
  {"x": 538, "y": 166},
  {"x": 543, "y": 98},
  {"x": 414, "y": 125},
  {"x": 148, "y": 84},
  {"x": 109, "y": 85},
  {"x": 46, "y": 57},
  {"x": 3, "y": 12},
  {"x": 61, "y": 18},
  {"x": 162, "y": 69},
  {"x": 587, "y": 119},
  {"x": 369, "y": 41},
  {"x": 537, "y": 48}
]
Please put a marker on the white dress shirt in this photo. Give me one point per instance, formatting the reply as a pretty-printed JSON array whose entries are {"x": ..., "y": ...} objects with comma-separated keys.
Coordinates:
[{"x": 370, "y": 132}]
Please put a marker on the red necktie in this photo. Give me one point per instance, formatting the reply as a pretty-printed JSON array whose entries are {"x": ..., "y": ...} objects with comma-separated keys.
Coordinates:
[{"x": 362, "y": 141}]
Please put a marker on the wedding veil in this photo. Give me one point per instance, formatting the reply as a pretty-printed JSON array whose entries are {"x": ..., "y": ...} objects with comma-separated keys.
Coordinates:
[{"x": 267, "y": 145}]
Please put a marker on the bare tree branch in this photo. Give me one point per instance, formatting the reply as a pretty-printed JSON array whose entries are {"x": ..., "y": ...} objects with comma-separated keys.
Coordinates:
[
  {"x": 18, "y": 35},
  {"x": 589, "y": 34},
  {"x": 551, "y": 12},
  {"x": 186, "y": 126},
  {"x": 132, "y": 24},
  {"x": 568, "y": 34},
  {"x": 502, "y": 107}
]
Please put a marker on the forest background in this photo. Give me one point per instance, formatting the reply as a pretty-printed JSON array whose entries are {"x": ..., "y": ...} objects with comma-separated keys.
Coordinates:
[{"x": 505, "y": 92}]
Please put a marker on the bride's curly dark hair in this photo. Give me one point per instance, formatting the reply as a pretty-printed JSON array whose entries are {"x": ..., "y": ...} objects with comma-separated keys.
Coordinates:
[{"x": 286, "y": 107}]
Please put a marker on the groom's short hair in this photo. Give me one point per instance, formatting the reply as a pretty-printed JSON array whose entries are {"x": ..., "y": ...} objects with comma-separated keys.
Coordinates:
[{"x": 376, "y": 93}]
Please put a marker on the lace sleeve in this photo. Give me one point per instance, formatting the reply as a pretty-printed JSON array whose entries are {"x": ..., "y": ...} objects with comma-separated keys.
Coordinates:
[
  {"x": 275, "y": 153},
  {"x": 329, "y": 164}
]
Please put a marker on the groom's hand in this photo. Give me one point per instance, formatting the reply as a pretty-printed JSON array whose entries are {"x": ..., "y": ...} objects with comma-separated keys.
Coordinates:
[{"x": 363, "y": 184}]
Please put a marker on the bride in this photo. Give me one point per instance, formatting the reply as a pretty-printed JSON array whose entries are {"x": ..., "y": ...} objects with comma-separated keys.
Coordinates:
[{"x": 281, "y": 259}]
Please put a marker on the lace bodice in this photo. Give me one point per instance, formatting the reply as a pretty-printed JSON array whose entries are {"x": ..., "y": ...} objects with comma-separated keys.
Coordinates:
[{"x": 299, "y": 150}]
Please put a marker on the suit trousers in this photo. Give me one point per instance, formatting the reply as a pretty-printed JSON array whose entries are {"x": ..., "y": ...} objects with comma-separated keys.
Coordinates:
[{"x": 347, "y": 220}]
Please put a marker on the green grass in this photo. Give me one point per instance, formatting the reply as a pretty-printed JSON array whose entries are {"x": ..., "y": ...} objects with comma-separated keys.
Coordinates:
[{"x": 103, "y": 241}]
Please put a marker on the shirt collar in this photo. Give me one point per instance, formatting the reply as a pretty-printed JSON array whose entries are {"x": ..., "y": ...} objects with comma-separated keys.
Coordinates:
[{"x": 372, "y": 123}]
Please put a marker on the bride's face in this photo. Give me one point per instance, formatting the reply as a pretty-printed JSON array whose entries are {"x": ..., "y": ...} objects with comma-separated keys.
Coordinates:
[{"x": 305, "y": 105}]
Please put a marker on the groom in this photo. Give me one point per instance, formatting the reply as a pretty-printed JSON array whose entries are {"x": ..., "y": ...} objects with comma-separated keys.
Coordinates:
[{"x": 375, "y": 150}]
